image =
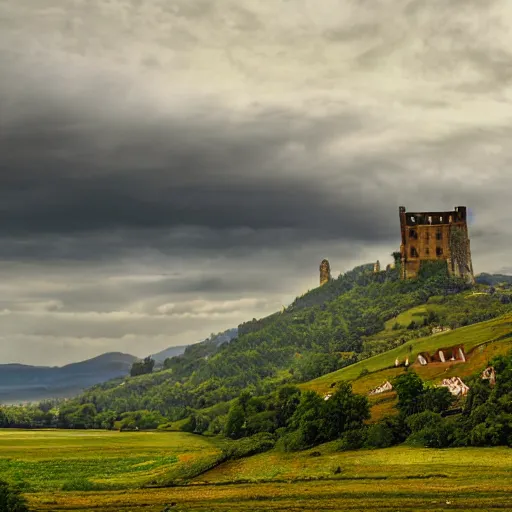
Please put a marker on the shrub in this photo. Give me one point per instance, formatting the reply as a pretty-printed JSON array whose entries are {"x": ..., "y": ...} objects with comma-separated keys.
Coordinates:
[
  {"x": 78, "y": 484},
  {"x": 11, "y": 499},
  {"x": 440, "y": 435},
  {"x": 379, "y": 435},
  {"x": 417, "y": 422},
  {"x": 196, "y": 424},
  {"x": 351, "y": 440},
  {"x": 483, "y": 435},
  {"x": 258, "y": 443},
  {"x": 292, "y": 442}
]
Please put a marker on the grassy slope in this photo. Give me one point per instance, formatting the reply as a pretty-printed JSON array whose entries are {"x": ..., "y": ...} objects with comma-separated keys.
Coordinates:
[
  {"x": 492, "y": 331},
  {"x": 398, "y": 462},
  {"x": 45, "y": 460},
  {"x": 405, "y": 318},
  {"x": 481, "y": 341}
]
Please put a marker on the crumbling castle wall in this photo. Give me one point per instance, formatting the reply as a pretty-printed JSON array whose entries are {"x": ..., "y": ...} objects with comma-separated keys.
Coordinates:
[
  {"x": 325, "y": 272},
  {"x": 435, "y": 236}
]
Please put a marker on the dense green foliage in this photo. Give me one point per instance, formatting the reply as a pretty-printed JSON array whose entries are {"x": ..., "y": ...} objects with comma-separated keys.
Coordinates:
[
  {"x": 142, "y": 367},
  {"x": 11, "y": 499}
]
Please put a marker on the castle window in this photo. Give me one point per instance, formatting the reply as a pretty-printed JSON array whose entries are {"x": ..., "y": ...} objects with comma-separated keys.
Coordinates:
[
  {"x": 439, "y": 235},
  {"x": 414, "y": 252},
  {"x": 439, "y": 251},
  {"x": 413, "y": 234},
  {"x": 427, "y": 251}
]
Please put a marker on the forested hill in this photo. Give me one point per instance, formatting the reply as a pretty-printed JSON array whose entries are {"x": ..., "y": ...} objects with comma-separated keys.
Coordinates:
[
  {"x": 326, "y": 329},
  {"x": 347, "y": 320}
]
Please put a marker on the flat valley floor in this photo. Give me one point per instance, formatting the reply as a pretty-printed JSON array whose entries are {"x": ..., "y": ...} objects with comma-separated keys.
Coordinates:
[{"x": 105, "y": 471}]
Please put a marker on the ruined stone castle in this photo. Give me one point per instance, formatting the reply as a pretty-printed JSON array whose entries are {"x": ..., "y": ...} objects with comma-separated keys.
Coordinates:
[
  {"x": 428, "y": 236},
  {"x": 431, "y": 236}
]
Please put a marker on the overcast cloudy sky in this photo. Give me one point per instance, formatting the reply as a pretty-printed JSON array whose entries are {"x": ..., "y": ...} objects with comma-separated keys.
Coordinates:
[{"x": 169, "y": 168}]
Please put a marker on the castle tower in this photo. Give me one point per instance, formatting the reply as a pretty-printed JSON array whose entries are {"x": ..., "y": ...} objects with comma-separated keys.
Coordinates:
[
  {"x": 325, "y": 272},
  {"x": 376, "y": 267},
  {"x": 433, "y": 236}
]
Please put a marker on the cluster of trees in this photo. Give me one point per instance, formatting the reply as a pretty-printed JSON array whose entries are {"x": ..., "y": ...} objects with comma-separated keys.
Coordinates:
[
  {"x": 142, "y": 367},
  {"x": 484, "y": 417},
  {"x": 299, "y": 420}
]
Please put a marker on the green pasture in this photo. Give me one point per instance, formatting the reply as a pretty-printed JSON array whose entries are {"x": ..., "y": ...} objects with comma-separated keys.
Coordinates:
[
  {"x": 74, "y": 459},
  {"x": 404, "y": 319},
  {"x": 399, "y": 462},
  {"x": 394, "y": 479},
  {"x": 498, "y": 330}
]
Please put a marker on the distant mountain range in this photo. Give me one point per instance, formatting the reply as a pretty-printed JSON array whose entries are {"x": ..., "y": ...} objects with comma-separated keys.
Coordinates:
[
  {"x": 25, "y": 383},
  {"x": 160, "y": 357},
  {"x": 20, "y": 382},
  {"x": 215, "y": 339}
]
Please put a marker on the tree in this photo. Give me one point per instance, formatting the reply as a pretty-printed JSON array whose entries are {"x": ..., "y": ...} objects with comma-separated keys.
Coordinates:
[
  {"x": 309, "y": 420},
  {"x": 142, "y": 367},
  {"x": 11, "y": 499},
  {"x": 436, "y": 399},
  {"x": 409, "y": 388},
  {"x": 344, "y": 411},
  {"x": 235, "y": 422},
  {"x": 379, "y": 436},
  {"x": 287, "y": 400}
]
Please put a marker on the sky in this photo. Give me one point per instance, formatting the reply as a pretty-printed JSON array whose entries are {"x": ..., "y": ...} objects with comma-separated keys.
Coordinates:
[{"x": 169, "y": 169}]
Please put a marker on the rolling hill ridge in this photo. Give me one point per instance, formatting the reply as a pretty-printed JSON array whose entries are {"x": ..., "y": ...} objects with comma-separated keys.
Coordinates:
[
  {"x": 20, "y": 382},
  {"x": 335, "y": 328}
]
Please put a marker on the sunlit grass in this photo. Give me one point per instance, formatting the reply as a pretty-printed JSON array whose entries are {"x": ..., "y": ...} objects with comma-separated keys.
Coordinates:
[
  {"x": 53, "y": 459},
  {"x": 398, "y": 478}
]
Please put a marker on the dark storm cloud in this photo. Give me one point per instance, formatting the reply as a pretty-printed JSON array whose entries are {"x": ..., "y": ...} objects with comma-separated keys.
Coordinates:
[
  {"x": 69, "y": 173},
  {"x": 169, "y": 169}
]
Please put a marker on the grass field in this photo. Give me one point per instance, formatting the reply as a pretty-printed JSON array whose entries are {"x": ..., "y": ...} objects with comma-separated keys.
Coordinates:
[
  {"x": 49, "y": 460},
  {"x": 399, "y": 478}
]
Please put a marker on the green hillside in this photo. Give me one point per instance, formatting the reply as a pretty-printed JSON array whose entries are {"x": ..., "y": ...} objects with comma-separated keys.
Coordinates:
[
  {"x": 339, "y": 325},
  {"x": 480, "y": 336}
]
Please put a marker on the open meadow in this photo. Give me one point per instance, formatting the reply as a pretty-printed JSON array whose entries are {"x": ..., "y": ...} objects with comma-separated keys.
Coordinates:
[{"x": 57, "y": 467}]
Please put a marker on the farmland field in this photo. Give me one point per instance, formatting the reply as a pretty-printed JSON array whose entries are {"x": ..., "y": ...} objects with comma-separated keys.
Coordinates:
[
  {"x": 48, "y": 460},
  {"x": 399, "y": 478}
]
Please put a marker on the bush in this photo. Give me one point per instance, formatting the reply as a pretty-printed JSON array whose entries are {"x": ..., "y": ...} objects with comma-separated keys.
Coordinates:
[
  {"x": 422, "y": 420},
  {"x": 292, "y": 442},
  {"x": 79, "y": 484},
  {"x": 351, "y": 440},
  {"x": 379, "y": 435},
  {"x": 248, "y": 446},
  {"x": 483, "y": 435},
  {"x": 196, "y": 424},
  {"x": 11, "y": 499},
  {"x": 439, "y": 435}
]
